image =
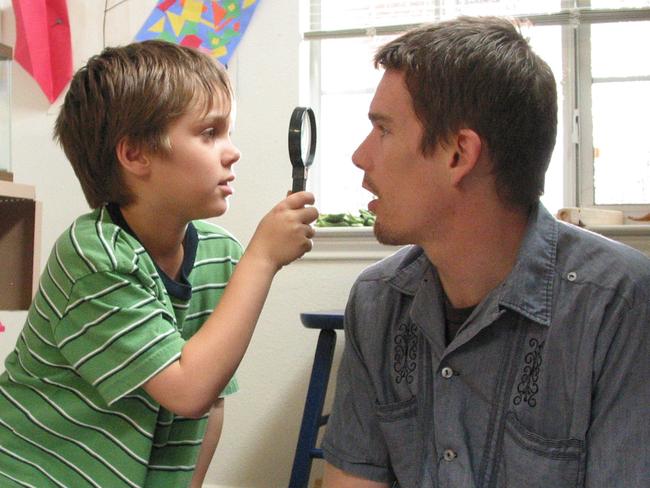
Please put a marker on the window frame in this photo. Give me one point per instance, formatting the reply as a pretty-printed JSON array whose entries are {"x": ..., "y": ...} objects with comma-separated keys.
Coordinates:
[{"x": 575, "y": 22}]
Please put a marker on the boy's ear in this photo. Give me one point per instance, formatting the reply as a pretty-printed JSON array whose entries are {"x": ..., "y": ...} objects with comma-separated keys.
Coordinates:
[
  {"x": 466, "y": 154},
  {"x": 132, "y": 158}
]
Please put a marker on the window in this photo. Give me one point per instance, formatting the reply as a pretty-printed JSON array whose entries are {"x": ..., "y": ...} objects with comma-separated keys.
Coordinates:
[{"x": 595, "y": 49}]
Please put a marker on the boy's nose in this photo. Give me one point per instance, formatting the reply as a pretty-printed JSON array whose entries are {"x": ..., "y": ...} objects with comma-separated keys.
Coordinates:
[{"x": 231, "y": 156}]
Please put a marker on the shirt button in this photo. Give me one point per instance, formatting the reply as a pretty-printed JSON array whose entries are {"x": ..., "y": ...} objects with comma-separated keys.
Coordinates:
[
  {"x": 571, "y": 276},
  {"x": 449, "y": 455},
  {"x": 447, "y": 372}
]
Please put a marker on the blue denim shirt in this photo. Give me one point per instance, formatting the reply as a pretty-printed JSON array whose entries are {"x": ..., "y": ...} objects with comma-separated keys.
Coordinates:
[{"x": 546, "y": 385}]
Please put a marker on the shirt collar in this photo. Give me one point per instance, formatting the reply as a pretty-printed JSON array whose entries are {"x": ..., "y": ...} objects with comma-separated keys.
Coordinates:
[
  {"x": 527, "y": 290},
  {"x": 181, "y": 289}
]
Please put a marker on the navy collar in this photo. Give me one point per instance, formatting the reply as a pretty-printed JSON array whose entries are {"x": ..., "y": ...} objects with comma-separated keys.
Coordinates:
[{"x": 181, "y": 289}]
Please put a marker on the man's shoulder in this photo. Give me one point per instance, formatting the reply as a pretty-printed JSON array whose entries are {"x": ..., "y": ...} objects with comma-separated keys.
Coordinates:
[
  {"x": 390, "y": 266},
  {"x": 601, "y": 260}
]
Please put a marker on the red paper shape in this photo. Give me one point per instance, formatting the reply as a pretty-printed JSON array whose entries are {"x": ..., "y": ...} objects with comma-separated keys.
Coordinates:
[
  {"x": 191, "y": 41},
  {"x": 43, "y": 45}
]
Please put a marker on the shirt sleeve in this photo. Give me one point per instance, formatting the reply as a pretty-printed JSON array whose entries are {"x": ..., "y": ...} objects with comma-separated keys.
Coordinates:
[
  {"x": 353, "y": 441},
  {"x": 618, "y": 450},
  {"x": 116, "y": 333}
]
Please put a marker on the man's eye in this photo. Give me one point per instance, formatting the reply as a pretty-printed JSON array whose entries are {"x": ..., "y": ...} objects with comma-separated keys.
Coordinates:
[{"x": 209, "y": 133}]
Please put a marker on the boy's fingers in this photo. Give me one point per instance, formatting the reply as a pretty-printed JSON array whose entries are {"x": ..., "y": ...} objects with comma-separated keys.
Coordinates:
[
  {"x": 300, "y": 199},
  {"x": 308, "y": 214}
]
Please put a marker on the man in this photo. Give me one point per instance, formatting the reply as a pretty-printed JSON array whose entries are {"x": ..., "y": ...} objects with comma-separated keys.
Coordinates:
[{"x": 504, "y": 348}]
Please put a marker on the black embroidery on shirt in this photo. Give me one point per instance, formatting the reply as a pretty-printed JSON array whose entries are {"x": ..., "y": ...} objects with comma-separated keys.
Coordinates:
[
  {"x": 406, "y": 352},
  {"x": 528, "y": 387}
]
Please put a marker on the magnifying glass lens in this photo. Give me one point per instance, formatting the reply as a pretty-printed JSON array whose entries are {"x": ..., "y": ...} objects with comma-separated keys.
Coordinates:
[
  {"x": 302, "y": 145},
  {"x": 305, "y": 138}
]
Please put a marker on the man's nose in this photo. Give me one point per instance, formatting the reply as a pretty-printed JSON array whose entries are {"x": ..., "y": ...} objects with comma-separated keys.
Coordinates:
[{"x": 360, "y": 156}]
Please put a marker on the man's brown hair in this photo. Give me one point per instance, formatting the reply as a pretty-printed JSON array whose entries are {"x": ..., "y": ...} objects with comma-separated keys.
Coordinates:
[
  {"x": 134, "y": 91},
  {"x": 480, "y": 73}
]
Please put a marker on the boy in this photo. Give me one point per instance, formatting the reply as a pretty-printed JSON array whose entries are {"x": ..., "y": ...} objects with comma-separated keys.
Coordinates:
[{"x": 124, "y": 351}]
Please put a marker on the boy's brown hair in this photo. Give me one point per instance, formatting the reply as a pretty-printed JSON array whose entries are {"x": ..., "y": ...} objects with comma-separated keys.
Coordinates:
[
  {"x": 134, "y": 91},
  {"x": 480, "y": 73}
]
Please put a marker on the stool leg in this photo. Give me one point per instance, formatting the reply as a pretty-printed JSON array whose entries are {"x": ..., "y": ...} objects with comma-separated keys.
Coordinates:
[{"x": 311, "y": 419}]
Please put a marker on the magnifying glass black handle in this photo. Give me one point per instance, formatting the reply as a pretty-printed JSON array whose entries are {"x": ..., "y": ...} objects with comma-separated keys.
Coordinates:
[{"x": 299, "y": 178}]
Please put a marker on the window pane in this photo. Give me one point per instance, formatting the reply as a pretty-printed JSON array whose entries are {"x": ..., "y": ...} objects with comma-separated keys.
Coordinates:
[
  {"x": 346, "y": 14},
  {"x": 621, "y": 143},
  {"x": 345, "y": 125},
  {"x": 348, "y": 82},
  {"x": 547, "y": 43},
  {"x": 615, "y": 49},
  {"x": 347, "y": 64},
  {"x": 619, "y": 3},
  {"x": 453, "y": 8}
]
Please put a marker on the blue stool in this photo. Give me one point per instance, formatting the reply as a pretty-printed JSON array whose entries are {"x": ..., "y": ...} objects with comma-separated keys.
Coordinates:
[{"x": 312, "y": 417}]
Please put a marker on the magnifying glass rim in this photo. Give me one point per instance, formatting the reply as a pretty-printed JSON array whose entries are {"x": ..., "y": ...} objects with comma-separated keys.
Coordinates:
[{"x": 295, "y": 136}]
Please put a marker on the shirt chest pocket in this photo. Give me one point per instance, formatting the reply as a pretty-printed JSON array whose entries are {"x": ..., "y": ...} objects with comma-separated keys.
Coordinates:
[
  {"x": 527, "y": 459},
  {"x": 399, "y": 425}
]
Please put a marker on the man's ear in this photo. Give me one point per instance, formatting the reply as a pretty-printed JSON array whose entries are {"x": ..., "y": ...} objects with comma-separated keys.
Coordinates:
[
  {"x": 132, "y": 158},
  {"x": 466, "y": 145}
]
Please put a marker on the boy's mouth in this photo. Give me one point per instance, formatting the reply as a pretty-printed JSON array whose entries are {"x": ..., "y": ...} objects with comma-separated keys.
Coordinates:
[{"x": 225, "y": 187}]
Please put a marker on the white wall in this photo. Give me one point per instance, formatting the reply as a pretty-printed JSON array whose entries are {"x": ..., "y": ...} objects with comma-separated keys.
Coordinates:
[{"x": 262, "y": 420}]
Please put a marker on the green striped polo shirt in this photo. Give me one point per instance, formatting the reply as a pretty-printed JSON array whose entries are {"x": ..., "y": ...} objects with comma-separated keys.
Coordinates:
[{"x": 105, "y": 319}]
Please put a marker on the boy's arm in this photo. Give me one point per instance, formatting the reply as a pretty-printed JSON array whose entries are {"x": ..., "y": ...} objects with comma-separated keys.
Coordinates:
[
  {"x": 209, "y": 444},
  {"x": 189, "y": 386}
]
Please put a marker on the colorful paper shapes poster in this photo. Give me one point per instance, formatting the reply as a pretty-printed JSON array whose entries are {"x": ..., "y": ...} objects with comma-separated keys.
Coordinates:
[
  {"x": 43, "y": 45},
  {"x": 212, "y": 26}
]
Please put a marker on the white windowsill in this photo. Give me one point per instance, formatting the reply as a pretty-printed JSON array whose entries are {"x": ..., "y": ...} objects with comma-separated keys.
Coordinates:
[
  {"x": 359, "y": 243},
  {"x": 347, "y": 244}
]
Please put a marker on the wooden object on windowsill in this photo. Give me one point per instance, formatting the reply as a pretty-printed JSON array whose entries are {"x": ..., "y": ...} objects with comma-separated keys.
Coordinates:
[
  {"x": 6, "y": 175},
  {"x": 20, "y": 235},
  {"x": 586, "y": 216}
]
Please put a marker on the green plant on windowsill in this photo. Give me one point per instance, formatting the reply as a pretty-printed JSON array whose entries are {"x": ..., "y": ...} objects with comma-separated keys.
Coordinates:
[{"x": 364, "y": 219}]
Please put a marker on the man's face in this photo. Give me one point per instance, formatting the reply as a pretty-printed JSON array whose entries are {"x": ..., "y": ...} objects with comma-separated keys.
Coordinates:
[{"x": 410, "y": 188}]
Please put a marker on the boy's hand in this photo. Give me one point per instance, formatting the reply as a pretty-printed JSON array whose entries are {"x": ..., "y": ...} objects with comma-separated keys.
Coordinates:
[{"x": 284, "y": 234}]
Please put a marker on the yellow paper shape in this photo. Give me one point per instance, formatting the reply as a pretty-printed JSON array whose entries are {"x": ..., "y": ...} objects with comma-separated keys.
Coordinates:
[
  {"x": 207, "y": 22},
  {"x": 248, "y": 3},
  {"x": 176, "y": 22},
  {"x": 220, "y": 51},
  {"x": 158, "y": 26},
  {"x": 192, "y": 10}
]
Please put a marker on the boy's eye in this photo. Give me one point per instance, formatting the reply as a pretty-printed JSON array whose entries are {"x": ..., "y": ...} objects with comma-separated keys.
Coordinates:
[{"x": 209, "y": 133}]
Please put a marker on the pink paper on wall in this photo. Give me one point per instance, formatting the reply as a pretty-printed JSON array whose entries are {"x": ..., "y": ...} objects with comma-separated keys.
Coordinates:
[{"x": 43, "y": 45}]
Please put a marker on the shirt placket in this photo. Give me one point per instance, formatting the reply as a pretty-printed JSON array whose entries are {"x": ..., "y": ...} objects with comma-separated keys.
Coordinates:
[{"x": 456, "y": 464}]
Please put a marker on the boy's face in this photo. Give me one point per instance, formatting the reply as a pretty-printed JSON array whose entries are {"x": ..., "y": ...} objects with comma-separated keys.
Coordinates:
[{"x": 194, "y": 179}]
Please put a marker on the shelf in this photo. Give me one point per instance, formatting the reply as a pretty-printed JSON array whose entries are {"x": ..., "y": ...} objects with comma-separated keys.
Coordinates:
[{"x": 20, "y": 228}]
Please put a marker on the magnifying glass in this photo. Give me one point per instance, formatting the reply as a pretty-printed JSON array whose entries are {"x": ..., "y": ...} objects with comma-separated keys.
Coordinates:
[{"x": 302, "y": 145}]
